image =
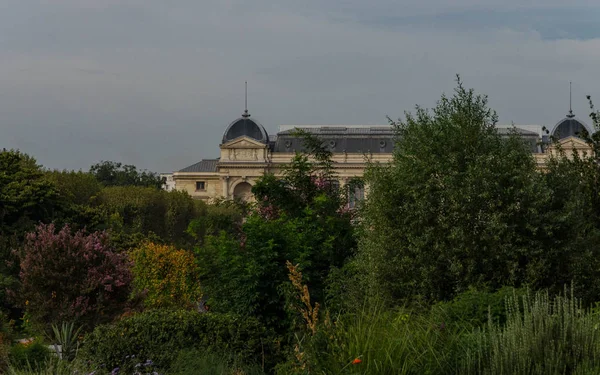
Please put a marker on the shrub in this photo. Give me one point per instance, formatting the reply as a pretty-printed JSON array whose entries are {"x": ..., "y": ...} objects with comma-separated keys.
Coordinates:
[
  {"x": 542, "y": 335},
  {"x": 194, "y": 362},
  {"x": 166, "y": 276},
  {"x": 474, "y": 308},
  {"x": 148, "y": 210},
  {"x": 29, "y": 355},
  {"x": 160, "y": 334},
  {"x": 72, "y": 277}
]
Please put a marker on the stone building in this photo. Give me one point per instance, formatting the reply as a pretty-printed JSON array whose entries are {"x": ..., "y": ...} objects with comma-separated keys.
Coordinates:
[{"x": 247, "y": 151}]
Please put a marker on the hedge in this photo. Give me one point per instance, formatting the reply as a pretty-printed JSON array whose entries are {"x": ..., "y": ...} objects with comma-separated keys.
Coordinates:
[{"x": 159, "y": 336}]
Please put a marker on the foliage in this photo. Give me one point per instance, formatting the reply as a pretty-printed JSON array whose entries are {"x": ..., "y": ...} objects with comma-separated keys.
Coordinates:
[
  {"x": 299, "y": 217},
  {"x": 166, "y": 276},
  {"x": 111, "y": 173},
  {"x": 215, "y": 218},
  {"x": 146, "y": 211},
  {"x": 53, "y": 366},
  {"x": 26, "y": 198},
  {"x": 542, "y": 335},
  {"x": 195, "y": 362},
  {"x": 474, "y": 308},
  {"x": 161, "y": 334},
  {"x": 459, "y": 206},
  {"x": 77, "y": 192},
  {"x": 573, "y": 179},
  {"x": 74, "y": 187},
  {"x": 29, "y": 355},
  {"x": 72, "y": 277},
  {"x": 376, "y": 341},
  {"x": 66, "y": 339}
]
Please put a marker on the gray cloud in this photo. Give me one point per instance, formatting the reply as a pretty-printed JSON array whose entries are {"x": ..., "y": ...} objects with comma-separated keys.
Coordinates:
[{"x": 155, "y": 84}]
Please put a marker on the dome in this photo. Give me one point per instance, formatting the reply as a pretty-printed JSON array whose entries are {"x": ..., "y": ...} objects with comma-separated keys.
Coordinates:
[
  {"x": 570, "y": 126},
  {"x": 246, "y": 127}
]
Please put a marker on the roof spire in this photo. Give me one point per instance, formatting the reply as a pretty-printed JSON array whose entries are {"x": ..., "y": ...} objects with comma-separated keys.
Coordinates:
[
  {"x": 246, "y": 114},
  {"x": 570, "y": 115}
]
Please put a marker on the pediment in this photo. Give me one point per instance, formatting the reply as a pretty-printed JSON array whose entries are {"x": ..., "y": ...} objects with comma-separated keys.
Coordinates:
[
  {"x": 243, "y": 142},
  {"x": 573, "y": 142}
]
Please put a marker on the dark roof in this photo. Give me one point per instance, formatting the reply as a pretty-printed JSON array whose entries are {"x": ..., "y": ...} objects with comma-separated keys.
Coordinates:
[
  {"x": 376, "y": 139},
  {"x": 569, "y": 126},
  {"x": 206, "y": 165},
  {"x": 245, "y": 126},
  {"x": 521, "y": 132}
]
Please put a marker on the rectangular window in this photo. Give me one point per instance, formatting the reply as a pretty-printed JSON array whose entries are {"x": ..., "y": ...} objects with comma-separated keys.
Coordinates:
[
  {"x": 355, "y": 195},
  {"x": 200, "y": 185}
]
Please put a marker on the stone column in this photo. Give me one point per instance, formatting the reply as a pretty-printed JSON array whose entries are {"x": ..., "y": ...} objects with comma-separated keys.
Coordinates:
[{"x": 226, "y": 187}]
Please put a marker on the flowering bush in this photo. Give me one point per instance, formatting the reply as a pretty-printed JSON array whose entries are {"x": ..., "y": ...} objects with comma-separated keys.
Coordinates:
[
  {"x": 67, "y": 277},
  {"x": 166, "y": 276}
]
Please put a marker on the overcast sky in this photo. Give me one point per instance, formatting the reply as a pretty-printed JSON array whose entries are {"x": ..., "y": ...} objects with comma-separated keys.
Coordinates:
[{"x": 155, "y": 83}]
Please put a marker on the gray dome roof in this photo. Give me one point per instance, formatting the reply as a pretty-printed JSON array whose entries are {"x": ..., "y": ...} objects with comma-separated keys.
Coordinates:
[
  {"x": 570, "y": 126},
  {"x": 245, "y": 126}
]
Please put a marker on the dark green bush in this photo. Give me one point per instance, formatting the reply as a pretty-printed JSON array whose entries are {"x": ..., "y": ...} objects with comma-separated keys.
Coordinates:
[
  {"x": 31, "y": 355},
  {"x": 159, "y": 335},
  {"x": 471, "y": 308},
  {"x": 195, "y": 362}
]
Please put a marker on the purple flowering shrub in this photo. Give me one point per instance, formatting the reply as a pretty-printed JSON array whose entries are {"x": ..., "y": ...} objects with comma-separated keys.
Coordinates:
[{"x": 72, "y": 277}]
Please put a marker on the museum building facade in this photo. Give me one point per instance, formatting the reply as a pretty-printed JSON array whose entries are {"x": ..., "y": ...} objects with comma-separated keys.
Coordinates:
[{"x": 247, "y": 152}]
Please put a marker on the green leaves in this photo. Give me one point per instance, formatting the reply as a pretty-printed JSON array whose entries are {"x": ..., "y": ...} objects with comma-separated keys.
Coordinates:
[{"x": 459, "y": 205}]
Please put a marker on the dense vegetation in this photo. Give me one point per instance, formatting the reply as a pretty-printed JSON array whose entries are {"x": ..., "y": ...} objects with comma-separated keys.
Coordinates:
[{"x": 466, "y": 258}]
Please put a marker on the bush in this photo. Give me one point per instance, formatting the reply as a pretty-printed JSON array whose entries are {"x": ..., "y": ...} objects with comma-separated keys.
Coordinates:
[
  {"x": 159, "y": 335},
  {"x": 72, "y": 277},
  {"x": 145, "y": 210},
  {"x": 542, "y": 335},
  {"x": 166, "y": 276},
  {"x": 29, "y": 355},
  {"x": 194, "y": 362},
  {"x": 474, "y": 308}
]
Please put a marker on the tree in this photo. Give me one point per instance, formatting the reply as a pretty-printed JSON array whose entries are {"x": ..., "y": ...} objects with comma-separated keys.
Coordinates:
[
  {"x": 574, "y": 180},
  {"x": 300, "y": 217},
  {"x": 26, "y": 198},
  {"x": 110, "y": 173},
  {"x": 72, "y": 277},
  {"x": 166, "y": 276},
  {"x": 147, "y": 211},
  {"x": 460, "y": 205}
]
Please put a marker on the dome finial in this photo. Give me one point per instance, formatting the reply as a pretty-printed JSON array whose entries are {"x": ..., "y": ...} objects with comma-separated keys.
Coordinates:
[
  {"x": 246, "y": 114},
  {"x": 570, "y": 115}
]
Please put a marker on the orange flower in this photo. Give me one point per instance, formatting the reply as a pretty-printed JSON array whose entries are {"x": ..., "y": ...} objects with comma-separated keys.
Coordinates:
[{"x": 356, "y": 361}]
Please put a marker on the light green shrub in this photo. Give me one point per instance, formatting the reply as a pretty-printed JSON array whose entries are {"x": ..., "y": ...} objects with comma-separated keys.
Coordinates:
[{"x": 542, "y": 335}]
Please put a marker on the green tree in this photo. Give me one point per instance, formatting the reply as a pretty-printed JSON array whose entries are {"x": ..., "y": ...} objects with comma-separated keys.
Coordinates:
[
  {"x": 144, "y": 211},
  {"x": 78, "y": 192},
  {"x": 26, "y": 198},
  {"x": 111, "y": 173},
  {"x": 574, "y": 179},
  {"x": 460, "y": 205},
  {"x": 299, "y": 217}
]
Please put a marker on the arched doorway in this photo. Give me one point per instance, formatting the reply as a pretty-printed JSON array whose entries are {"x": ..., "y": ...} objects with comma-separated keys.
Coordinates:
[{"x": 243, "y": 191}]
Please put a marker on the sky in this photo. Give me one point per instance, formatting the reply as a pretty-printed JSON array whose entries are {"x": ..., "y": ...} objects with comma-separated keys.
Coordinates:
[{"x": 155, "y": 83}]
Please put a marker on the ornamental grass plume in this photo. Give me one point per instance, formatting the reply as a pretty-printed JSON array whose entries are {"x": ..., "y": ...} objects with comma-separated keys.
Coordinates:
[{"x": 309, "y": 313}]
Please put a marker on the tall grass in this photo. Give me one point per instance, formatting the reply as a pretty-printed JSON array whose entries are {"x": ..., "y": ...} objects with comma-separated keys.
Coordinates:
[
  {"x": 378, "y": 341},
  {"x": 542, "y": 335}
]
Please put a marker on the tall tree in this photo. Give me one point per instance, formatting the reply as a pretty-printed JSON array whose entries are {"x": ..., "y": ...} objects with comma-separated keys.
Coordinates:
[
  {"x": 26, "y": 198},
  {"x": 459, "y": 205},
  {"x": 299, "y": 217},
  {"x": 111, "y": 173}
]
